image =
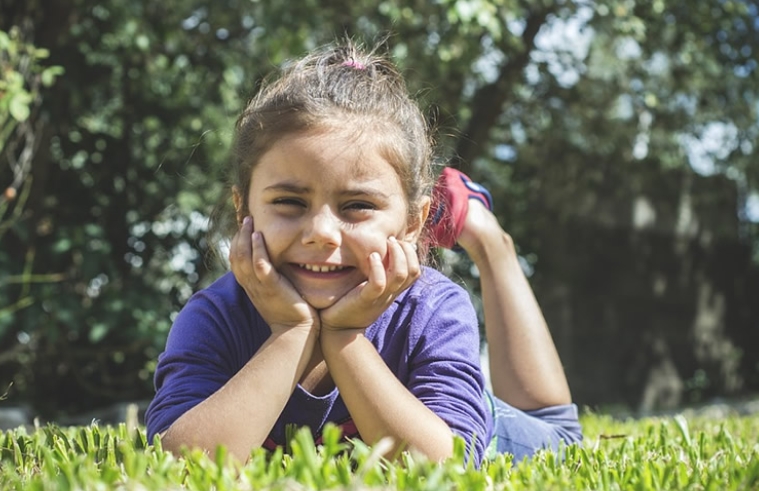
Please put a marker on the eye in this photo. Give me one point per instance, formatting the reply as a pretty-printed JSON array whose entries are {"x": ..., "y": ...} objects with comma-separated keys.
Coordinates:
[
  {"x": 359, "y": 206},
  {"x": 288, "y": 202}
]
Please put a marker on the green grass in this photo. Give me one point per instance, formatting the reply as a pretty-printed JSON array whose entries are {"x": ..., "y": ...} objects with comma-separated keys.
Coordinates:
[{"x": 665, "y": 453}]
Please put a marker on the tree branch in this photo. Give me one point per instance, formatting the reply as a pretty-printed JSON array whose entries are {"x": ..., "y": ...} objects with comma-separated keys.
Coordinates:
[{"x": 488, "y": 101}]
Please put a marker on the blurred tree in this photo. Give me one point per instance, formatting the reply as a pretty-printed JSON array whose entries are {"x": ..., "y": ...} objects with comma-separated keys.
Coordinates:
[
  {"x": 22, "y": 76},
  {"x": 588, "y": 121},
  {"x": 636, "y": 163}
]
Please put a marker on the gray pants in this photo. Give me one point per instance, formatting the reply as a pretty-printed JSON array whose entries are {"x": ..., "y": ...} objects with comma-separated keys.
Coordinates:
[{"x": 522, "y": 433}]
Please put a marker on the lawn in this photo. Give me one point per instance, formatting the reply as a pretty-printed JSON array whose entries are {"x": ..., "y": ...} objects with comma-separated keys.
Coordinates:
[{"x": 677, "y": 452}]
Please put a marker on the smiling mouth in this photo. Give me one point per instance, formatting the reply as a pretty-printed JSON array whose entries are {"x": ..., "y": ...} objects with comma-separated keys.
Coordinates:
[{"x": 322, "y": 268}]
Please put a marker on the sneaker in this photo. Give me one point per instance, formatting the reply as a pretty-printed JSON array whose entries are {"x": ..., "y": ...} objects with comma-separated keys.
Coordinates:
[{"x": 450, "y": 203}]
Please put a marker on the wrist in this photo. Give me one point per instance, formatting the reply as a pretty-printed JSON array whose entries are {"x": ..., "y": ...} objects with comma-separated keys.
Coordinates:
[
  {"x": 334, "y": 340},
  {"x": 304, "y": 330}
]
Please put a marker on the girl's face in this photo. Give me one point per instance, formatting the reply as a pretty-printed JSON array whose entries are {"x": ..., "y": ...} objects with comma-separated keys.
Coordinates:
[{"x": 324, "y": 200}]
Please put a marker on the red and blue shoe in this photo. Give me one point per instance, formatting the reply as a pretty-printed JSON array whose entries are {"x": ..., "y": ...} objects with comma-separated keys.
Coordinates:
[{"x": 450, "y": 203}]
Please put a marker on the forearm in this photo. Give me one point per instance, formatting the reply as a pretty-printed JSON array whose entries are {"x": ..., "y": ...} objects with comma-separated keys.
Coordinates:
[
  {"x": 241, "y": 414},
  {"x": 530, "y": 374},
  {"x": 378, "y": 403}
]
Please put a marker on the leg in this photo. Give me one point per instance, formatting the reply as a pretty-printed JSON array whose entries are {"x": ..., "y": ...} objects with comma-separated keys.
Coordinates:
[{"x": 525, "y": 368}]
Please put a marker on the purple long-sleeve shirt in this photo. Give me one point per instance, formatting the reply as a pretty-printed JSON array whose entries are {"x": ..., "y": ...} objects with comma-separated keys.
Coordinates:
[{"x": 429, "y": 338}]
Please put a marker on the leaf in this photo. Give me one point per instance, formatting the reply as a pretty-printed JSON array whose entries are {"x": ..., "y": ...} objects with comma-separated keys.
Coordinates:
[
  {"x": 98, "y": 332},
  {"x": 682, "y": 426},
  {"x": 49, "y": 75},
  {"x": 19, "y": 106},
  {"x": 62, "y": 245},
  {"x": 41, "y": 53}
]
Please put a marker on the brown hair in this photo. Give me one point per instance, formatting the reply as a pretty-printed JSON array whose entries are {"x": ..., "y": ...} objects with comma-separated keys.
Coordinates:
[{"x": 337, "y": 86}]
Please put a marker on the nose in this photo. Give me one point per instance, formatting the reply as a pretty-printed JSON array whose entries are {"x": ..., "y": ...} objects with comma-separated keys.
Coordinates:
[{"x": 323, "y": 228}]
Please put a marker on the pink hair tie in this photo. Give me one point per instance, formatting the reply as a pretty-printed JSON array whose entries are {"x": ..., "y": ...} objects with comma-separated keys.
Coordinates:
[{"x": 354, "y": 64}]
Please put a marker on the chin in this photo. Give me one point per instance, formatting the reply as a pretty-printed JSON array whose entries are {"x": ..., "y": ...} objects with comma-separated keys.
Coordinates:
[{"x": 319, "y": 302}]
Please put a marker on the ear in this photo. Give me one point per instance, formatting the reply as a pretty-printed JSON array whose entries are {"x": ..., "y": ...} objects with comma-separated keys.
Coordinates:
[
  {"x": 237, "y": 200},
  {"x": 416, "y": 223}
]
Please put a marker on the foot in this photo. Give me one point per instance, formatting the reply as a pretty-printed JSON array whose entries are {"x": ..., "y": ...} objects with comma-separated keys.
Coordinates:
[{"x": 450, "y": 206}]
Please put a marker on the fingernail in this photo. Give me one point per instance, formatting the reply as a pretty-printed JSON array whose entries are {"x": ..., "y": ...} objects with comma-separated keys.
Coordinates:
[
  {"x": 246, "y": 220},
  {"x": 393, "y": 240}
]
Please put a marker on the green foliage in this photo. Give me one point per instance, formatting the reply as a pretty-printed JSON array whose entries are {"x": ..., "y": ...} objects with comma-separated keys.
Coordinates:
[
  {"x": 19, "y": 62},
  {"x": 23, "y": 76},
  {"x": 651, "y": 454}
]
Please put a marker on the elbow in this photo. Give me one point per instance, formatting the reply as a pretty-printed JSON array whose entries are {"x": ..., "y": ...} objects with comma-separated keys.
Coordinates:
[
  {"x": 170, "y": 443},
  {"x": 443, "y": 449},
  {"x": 437, "y": 448},
  {"x": 388, "y": 449},
  {"x": 178, "y": 443}
]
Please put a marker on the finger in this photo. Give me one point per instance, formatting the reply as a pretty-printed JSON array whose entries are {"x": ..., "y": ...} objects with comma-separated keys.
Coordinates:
[
  {"x": 262, "y": 267},
  {"x": 377, "y": 281},
  {"x": 412, "y": 261},
  {"x": 240, "y": 247},
  {"x": 397, "y": 267}
]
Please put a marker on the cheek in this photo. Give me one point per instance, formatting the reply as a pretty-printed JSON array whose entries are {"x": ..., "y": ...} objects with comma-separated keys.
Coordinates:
[
  {"x": 370, "y": 239},
  {"x": 276, "y": 236}
]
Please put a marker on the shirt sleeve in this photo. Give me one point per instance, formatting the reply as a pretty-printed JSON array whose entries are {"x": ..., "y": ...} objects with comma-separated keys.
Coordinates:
[
  {"x": 445, "y": 372},
  {"x": 208, "y": 343}
]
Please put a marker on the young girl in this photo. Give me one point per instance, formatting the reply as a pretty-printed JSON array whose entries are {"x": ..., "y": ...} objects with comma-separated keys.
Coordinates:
[{"x": 328, "y": 314}]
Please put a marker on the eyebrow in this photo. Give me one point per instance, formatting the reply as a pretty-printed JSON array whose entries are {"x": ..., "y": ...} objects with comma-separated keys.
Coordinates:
[
  {"x": 365, "y": 191},
  {"x": 290, "y": 187}
]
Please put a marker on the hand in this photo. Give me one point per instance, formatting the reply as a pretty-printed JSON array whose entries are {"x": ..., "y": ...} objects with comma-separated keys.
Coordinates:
[
  {"x": 275, "y": 298},
  {"x": 365, "y": 303}
]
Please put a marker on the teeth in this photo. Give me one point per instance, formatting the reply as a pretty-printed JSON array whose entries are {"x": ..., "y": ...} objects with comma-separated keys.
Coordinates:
[{"x": 320, "y": 269}]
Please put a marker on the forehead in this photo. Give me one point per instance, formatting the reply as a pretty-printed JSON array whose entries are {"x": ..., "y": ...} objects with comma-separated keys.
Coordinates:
[{"x": 341, "y": 152}]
